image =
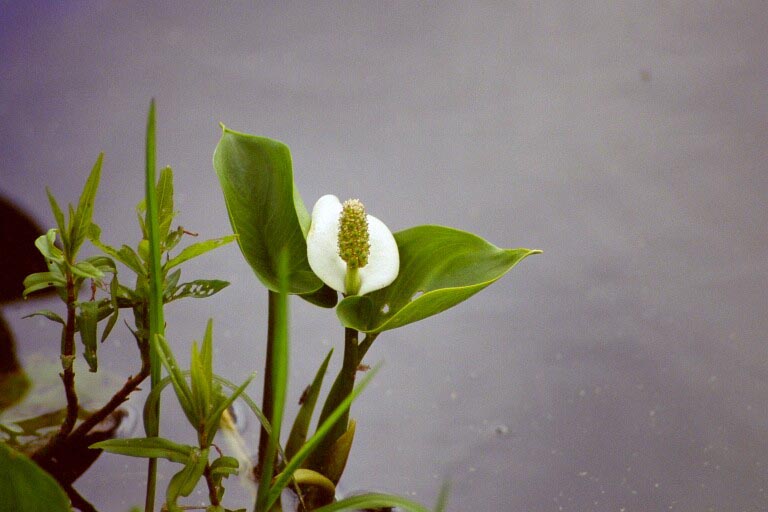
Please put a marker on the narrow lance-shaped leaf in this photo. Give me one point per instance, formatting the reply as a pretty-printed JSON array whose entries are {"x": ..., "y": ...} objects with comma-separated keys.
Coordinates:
[
  {"x": 81, "y": 219},
  {"x": 313, "y": 442},
  {"x": 47, "y": 313},
  {"x": 439, "y": 268},
  {"x": 46, "y": 245},
  {"x": 304, "y": 417},
  {"x": 87, "y": 323},
  {"x": 165, "y": 211},
  {"x": 265, "y": 210},
  {"x": 59, "y": 216},
  {"x": 184, "y": 482},
  {"x": 42, "y": 280},
  {"x": 197, "y": 249},
  {"x": 147, "y": 447},
  {"x": 198, "y": 289}
]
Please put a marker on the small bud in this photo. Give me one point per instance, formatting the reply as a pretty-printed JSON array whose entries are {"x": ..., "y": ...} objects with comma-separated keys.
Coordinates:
[{"x": 354, "y": 244}]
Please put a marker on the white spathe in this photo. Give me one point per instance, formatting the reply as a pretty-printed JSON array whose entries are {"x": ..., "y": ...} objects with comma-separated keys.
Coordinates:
[{"x": 323, "y": 249}]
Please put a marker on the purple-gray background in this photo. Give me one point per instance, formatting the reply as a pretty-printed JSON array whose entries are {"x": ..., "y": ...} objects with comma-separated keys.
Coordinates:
[{"x": 626, "y": 369}]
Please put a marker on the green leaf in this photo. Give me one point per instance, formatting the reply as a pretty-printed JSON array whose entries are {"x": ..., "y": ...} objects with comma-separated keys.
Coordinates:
[
  {"x": 265, "y": 210},
  {"x": 339, "y": 453},
  {"x": 224, "y": 466},
  {"x": 24, "y": 487},
  {"x": 165, "y": 211},
  {"x": 46, "y": 245},
  {"x": 198, "y": 289},
  {"x": 124, "y": 255},
  {"x": 42, "y": 280},
  {"x": 81, "y": 220},
  {"x": 373, "y": 501},
  {"x": 304, "y": 417},
  {"x": 114, "y": 291},
  {"x": 58, "y": 215},
  {"x": 182, "y": 390},
  {"x": 102, "y": 263},
  {"x": 148, "y": 448},
  {"x": 313, "y": 442},
  {"x": 442, "y": 497},
  {"x": 184, "y": 482},
  {"x": 213, "y": 419},
  {"x": 200, "y": 388},
  {"x": 86, "y": 322},
  {"x": 47, "y": 313},
  {"x": 439, "y": 268},
  {"x": 86, "y": 270},
  {"x": 197, "y": 249}
]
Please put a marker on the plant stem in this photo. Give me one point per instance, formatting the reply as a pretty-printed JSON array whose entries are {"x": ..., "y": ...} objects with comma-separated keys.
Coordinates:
[
  {"x": 268, "y": 394},
  {"x": 119, "y": 398},
  {"x": 341, "y": 389},
  {"x": 68, "y": 377},
  {"x": 212, "y": 494}
]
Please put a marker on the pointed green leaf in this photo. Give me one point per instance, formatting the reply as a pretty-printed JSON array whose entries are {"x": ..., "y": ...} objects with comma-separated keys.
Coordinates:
[
  {"x": 265, "y": 210},
  {"x": 213, "y": 419},
  {"x": 102, "y": 263},
  {"x": 373, "y": 501},
  {"x": 46, "y": 245},
  {"x": 86, "y": 270},
  {"x": 81, "y": 220},
  {"x": 165, "y": 211},
  {"x": 41, "y": 281},
  {"x": 224, "y": 466},
  {"x": 339, "y": 453},
  {"x": 197, "y": 249},
  {"x": 86, "y": 322},
  {"x": 313, "y": 442},
  {"x": 201, "y": 393},
  {"x": 24, "y": 487},
  {"x": 439, "y": 268},
  {"x": 57, "y": 213},
  {"x": 124, "y": 255},
  {"x": 114, "y": 291},
  {"x": 304, "y": 417},
  {"x": 47, "y": 313},
  {"x": 206, "y": 353},
  {"x": 184, "y": 482},
  {"x": 148, "y": 447},
  {"x": 180, "y": 386},
  {"x": 198, "y": 289}
]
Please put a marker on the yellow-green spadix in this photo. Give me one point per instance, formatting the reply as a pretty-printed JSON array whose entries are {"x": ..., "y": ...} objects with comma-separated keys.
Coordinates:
[{"x": 350, "y": 251}]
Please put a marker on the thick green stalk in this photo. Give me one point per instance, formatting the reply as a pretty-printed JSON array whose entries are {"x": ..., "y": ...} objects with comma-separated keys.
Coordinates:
[
  {"x": 156, "y": 321},
  {"x": 267, "y": 398},
  {"x": 278, "y": 340},
  {"x": 340, "y": 390}
]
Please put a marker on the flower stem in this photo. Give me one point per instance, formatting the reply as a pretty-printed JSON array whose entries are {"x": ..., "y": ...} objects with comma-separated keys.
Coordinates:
[
  {"x": 341, "y": 389},
  {"x": 268, "y": 394}
]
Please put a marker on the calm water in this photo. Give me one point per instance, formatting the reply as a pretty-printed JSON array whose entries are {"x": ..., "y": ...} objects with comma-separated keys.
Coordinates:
[{"x": 626, "y": 369}]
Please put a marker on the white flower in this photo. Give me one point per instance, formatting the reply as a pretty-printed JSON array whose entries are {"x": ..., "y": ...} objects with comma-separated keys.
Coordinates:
[{"x": 350, "y": 251}]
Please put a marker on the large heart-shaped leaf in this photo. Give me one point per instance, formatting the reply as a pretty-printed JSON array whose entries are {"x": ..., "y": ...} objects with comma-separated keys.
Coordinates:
[
  {"x": 24, "y": 487},
  {"x": 266, "y": 211},
  {"x": 439, "y": 268}
]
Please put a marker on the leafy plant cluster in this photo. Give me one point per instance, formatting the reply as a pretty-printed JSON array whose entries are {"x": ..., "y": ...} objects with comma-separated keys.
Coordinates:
[{"x": 439, "y": 268}]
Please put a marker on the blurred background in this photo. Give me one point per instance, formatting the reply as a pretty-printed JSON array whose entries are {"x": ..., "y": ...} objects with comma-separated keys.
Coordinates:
[{"x": 625, "y": 369}]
